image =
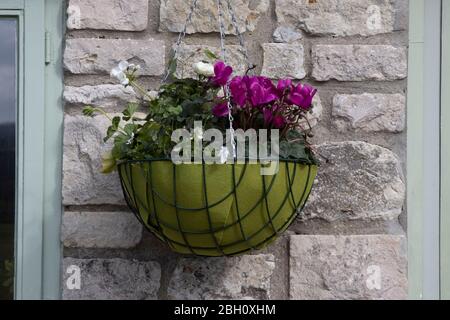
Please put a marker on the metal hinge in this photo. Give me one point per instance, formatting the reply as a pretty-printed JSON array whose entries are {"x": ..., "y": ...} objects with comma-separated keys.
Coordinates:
[{"x": 48, "y": 47}]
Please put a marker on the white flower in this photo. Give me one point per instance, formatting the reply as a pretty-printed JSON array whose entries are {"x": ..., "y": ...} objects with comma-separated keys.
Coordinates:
[
  {"x": 133, "y": 67},
  {"x": 223, "y": 154},
  {"x": 204, "y": 69},
  {"x": 119, "y": 73}
]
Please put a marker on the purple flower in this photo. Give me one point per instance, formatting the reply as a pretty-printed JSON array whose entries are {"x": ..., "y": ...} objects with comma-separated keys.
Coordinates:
[
  {"x": 221, "y": 110},
  {"x": 279, "y": 121},
  {"x": 239, "y": 90},
  {"x": 283, "y": 86},
  {"x": 268, "y": 116},
  {"x": 222, "y": 74},
  {"x": 272, "y": 116},
  {"x": 302, "y": 96},
  {"x": 260, "y": 95},
  {"x": 254, "y": 90}
]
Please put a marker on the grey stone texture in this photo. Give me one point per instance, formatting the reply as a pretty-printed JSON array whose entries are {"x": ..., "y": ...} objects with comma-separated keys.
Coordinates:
[
  {"x": 103, "y": 95},
  {"x": 100, "y": 230},
  {"x": 111, "y": 279},
  {"x": 342, "y": 18},
  {"x": 173, "y": 15},
  {"x": 348, "y": 267},
  {"x": 83, "y": 183},
  {"x": 121, "y": 15},
  {"x": 286, "y": 34},
  {"x": 314, "y": 116},
  {"x": 283, "y": 61},
  {"x": 359, "y": 181},
  {"x": 191, "y": 54},
  {"x": 370, "y": 112},
  {"x": 244, "y": 278},
  {"x": 359, "y": 62},
  {"x": 100, "y": 56}
]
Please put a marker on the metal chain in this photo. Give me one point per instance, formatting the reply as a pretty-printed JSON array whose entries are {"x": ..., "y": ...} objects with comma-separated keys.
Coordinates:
[
  {"x": 181, "y": 36},
  {"x": 226, "y": 88},
  {"x": 221, "y": 30},
  {"x": 244, "y": 51},
  {"x": 239, "y": 35}
]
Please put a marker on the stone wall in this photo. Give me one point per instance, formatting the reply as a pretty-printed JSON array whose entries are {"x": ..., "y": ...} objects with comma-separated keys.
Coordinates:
[{"x": 348, "y": 244}]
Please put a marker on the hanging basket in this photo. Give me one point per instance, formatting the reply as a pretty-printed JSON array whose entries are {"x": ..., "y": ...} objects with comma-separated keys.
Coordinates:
[{"x": 215, "y": 210}]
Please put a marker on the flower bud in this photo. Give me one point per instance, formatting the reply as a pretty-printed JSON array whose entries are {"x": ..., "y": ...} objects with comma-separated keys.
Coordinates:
[{"x": 204, "y": 69}]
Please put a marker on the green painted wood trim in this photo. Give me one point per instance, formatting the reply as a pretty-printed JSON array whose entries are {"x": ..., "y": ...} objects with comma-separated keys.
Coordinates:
[
  {"x": 445, "y": 152},
  {"x": 39, "y": 147},
  {"x": 415, "y": 148},
  {"x": 12, "y": 4},
  {"x": 31, "y": 125},
  {"x": 54, "y": 118}
]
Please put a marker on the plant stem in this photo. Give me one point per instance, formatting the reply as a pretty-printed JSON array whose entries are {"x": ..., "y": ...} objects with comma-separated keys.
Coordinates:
[
  {"x": 140, "y": 89},
  {"x": 103, "y": 113}
]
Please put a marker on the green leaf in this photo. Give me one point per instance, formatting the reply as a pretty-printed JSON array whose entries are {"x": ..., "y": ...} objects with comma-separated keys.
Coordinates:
[
  {"x": 109, "y": 133},
  {"x": 211, "y": 55},
  {"x": 112, "y": 129},
  {"x": 130, "y": 111},
  {"x": 192, "y": 107},
  {"x": 116, "y": 122},
  {"x": 89, "y": 111},
  {"x": 295, "y": 148},
  {"x": 108, "y": 163},
  {"x": 130, "y": 128},
  {"x": 172, "y": 66}
]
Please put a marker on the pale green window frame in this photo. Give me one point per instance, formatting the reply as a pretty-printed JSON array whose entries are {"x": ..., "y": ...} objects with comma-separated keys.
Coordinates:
[
  {"x": 429, "y": 150},
  {"x": 415, "y": 147},
  {"x": 445, "y": 153},
  {"x": 39, "y": 146}
]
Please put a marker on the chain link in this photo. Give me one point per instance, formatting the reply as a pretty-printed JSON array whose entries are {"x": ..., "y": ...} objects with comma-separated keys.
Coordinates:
[
  {"x": 221, "y": 30},
  {"x": 243, "y": 49},
  {"x": 239, "y": 35},
  {"x": 181, "y": 36},
  {"x": 226, "y": 88}
]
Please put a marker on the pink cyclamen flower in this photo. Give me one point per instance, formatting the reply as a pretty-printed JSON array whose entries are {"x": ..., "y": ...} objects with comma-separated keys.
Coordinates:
[
  {"x": 222, "y": 74},
  {"x": 221, "y": 110},
  {"x": 279, "y": 121},
  {"x": 239, "y": 90},
  {"x": 254, "y": 90},
  {"x": 269, "y": 93},
  {"x": 260, "y": 95},
  {"x": 283, "y": 86},
  {"x": 273, "y": 117},
  {"x": 268, "y": 116},
  {"x": 302, "y": 96}
]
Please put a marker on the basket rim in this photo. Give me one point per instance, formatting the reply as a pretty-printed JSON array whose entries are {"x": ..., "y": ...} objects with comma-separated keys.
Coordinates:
[{"x": 247, "y": 161}]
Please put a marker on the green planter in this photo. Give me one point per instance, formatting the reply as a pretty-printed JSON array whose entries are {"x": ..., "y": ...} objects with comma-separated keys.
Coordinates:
[{"x": 215, "y": 210}]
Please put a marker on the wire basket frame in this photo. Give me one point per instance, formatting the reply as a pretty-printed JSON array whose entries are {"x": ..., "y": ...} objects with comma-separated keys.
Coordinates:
[{"x": 213, "y": 209}]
